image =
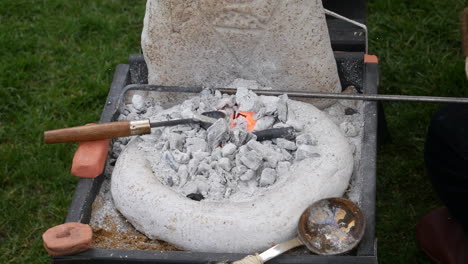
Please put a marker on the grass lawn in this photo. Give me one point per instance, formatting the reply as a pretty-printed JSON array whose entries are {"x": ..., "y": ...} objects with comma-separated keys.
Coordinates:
[{"x": 57, "y": 61}]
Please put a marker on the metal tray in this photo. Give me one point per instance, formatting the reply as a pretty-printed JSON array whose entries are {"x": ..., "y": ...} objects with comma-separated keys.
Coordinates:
[{"x": 352, "y": 70}]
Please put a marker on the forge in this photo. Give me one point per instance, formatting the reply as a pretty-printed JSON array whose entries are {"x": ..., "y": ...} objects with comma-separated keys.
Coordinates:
[
  {"x": 246, "y": 185},
  {"x": 189, "y": 194}
]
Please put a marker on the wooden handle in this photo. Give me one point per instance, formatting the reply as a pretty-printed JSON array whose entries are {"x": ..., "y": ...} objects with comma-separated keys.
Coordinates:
[
  {"x": 89, "y": 132},
  {"x": 464, "y": 31}
]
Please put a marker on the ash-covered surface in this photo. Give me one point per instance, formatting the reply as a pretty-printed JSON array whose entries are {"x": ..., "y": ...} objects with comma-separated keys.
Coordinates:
[
  {"x": 221, "y": 167},
  {"x": 111, "y": 229},
  {"x": 223, "y": 161}
]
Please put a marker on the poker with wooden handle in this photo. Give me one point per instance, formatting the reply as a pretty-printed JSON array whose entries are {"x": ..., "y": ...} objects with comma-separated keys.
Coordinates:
[{"x": 116, "y": 129}]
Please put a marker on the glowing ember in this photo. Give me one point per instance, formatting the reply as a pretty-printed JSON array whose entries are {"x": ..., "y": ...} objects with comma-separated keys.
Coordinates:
[{"x": 248, "y": 116}]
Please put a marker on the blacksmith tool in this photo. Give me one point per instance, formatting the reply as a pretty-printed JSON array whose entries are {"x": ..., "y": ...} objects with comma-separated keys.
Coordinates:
[
  {"x": 123, "y": 128},
  {"x": 140, "y": 127},
  {"x": 363, "y": 97}
]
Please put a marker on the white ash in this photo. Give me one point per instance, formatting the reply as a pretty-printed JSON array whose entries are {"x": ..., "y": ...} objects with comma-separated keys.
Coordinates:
[
  {"x": 342, "y": 112},
  {"x": 138, "y": 102},
  {"x": 221, "y": 162},
  {"x": 348, "y": 115},
  {"x": 192, "y": 164}
]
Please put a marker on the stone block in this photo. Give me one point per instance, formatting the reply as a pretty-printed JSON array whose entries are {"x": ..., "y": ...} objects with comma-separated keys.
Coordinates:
[{"x": 279, "y": 44}]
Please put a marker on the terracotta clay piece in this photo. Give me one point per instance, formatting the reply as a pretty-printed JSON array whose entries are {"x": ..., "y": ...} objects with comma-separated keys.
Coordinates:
[
  {"x": 67, "y": 239},
  {"x": 90, "y": 158}
]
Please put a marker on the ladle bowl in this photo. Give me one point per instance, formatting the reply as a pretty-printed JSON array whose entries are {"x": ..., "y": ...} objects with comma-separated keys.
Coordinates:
[{"x": 330, "y": 226}]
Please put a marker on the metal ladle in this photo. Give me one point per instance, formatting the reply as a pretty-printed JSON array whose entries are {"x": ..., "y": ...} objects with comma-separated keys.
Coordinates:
[{"x": 330, "y": 226}]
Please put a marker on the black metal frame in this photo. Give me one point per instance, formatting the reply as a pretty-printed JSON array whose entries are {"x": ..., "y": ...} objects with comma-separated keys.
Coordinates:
[{"x": 352, "y": 71}]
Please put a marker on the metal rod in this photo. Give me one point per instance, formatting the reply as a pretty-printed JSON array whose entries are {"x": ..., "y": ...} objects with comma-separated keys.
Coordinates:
[
  {"x": 364, "y": 27},
  {"x": 365, "y": 97}
]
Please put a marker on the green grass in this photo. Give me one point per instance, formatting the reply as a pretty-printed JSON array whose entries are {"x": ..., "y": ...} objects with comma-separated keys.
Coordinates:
[
  {"x": 57, "y": 62},
  {"x": 419, "y": 46},
  {"x": 57, "y": 59}
]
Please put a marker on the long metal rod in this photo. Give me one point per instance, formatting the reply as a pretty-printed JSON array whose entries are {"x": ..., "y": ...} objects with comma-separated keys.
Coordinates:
[{"x": 365, "y": 97}]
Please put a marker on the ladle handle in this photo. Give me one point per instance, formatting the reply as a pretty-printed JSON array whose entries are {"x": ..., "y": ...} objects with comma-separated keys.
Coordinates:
[
  {"x": 280, "y": 249},
  {"x": 271, "y": 252}
]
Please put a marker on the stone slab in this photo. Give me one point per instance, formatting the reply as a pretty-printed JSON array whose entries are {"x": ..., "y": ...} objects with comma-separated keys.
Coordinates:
[{"x": 280, "y": 44}]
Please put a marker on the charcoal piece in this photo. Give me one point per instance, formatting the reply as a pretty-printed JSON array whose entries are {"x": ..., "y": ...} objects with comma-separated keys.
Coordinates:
[
  {"x": 265, "y": 152},
  {"x": 213, "y": 164},
  {"x": 228, "y": 149},
  {"x": 193, "y": 166},
  {"x": 217, "y": 133},
  {"x": 181, "y": 157},
  {"x": 171, "y": 163},
  {"x": 176, "y": 141},
  {"x": 286, "y": 154},
  {"x": 251, "y": 160},
  {"x": 220, "y": 175},
  {"x": 247, "y": 100},
  {"x": 175, "y": 115},
  {"x": 240, "y": 169},
  {"x": 225, "y": 163},
  {"x": 247, "y": 176},
  {"x": 270, "y": 104},
  {"x": 183, "y": 175},
  {"x": 196, "y": 144},
  {"x": 195, "y": 196},
  {"x": 280, "y": 125},
  {"x": 190, "y": 134},
  {"x": 201, "y": 134},
  {"x": 305, "y": 152},
  {"x": 226, "y": 102},
  {"x": 239, "y": 137},
  {"x": 260, "y": 113},
  {"x": 272, "y": 133},
  {"x": 264, "y": 123},
  {"x": 216, "y": 154},
  {"x": 138, "y": 103},
  {"x": 204, "y": 167},
  {"x": 240, "y": 123},
  {"x": 282, "y": 108},
  {"x": 215, "y": 114},
  {"x": 184, "y": 128},
  {"x": 270, "y": 165},
  {"x": 268, "y": 177},
  {"x": 285, "y": 144},
  {"x": 200, "y": 155},
  {"x": 350, "y": 111}
]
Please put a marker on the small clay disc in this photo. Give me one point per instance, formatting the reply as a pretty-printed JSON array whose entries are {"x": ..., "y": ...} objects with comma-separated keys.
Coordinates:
[{"x": 67, "y": 239}]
